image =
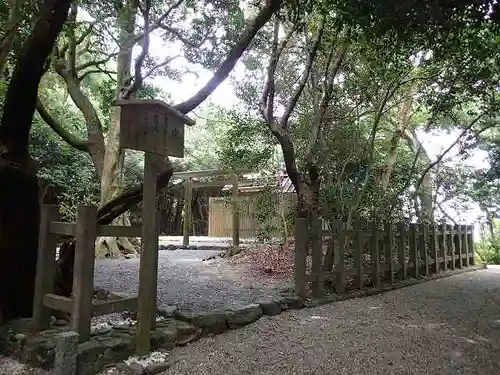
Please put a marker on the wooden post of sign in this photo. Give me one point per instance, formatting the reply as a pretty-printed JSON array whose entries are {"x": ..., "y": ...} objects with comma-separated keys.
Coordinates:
[
  {"x": 148, "y": 269},
  {"x": 186, "y": 224},
  {"x": 235, "y": 227}
]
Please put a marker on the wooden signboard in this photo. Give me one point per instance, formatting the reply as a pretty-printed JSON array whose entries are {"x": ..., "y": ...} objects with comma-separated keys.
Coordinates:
[
  {"x": 152, "y": 126},
  {"x": 158, "y": 129}
]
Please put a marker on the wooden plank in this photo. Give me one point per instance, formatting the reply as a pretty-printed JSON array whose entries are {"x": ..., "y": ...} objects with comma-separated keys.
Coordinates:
[
  {"x": 188, "y": 213},
  {"x": 214, "y": 183},
  {"x": 424, "y": 237},
  {"x": 318, "y": 285},
  {"x": 109, "y": 307},
  {"x": 389, "y": 235},
  {"x": 63, "y": 229},
  {"x": 435, "y": 248},
  {"x": 340, "y": 265},
  {"x": 209, "y": 173},
  {"x": 452, "y": 247},
  {"x": 45, "y": 267},
  {"x": 148, "y": 268},
  {"x": 83, "y": 275},
  {"x": 414, "y": 257},
  {"x": 375, "y": 256},
  {"x": 358, "y": 256},
  {"x": 459, "y": 245},
  {"x": 119, "y": 231},
  {"x": 403, "y": 234},
  {"x": 58, "y": 303},
  {"x": 301, "y": 239},
  {"x": 150, "y": 126},
  {"x": 235, "y": 214},
  {"x": 466, "y": 244}
]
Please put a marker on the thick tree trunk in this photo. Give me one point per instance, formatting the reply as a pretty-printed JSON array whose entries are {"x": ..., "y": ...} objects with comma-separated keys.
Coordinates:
[
  {"x": 114, "y": 156},
  {"x": 19, "y": 192}
]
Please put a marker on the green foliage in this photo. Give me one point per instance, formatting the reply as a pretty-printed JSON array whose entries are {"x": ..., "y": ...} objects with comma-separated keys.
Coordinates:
[
  {"x": 70, "y": 171},
  {"x": 489, "y": 251},
  {"x": 245, "y": 143},
  {"x": 267, "y": 212}
]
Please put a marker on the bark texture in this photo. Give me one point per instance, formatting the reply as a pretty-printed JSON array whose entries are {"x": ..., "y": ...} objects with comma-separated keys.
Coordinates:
[{"x": 19, "y": 191}]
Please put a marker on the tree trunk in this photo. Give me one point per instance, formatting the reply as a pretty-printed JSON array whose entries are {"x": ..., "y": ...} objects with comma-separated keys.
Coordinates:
[
  {"x": 19, "y": 192},
  {"x": 7, "y": 41},
  {"x": 424, "y": 192},
  {"x": 114, "y": 156},
  {"x": 404, "y": 115}
]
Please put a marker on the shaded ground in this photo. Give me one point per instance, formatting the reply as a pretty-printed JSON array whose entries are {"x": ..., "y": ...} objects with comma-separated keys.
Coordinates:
[
  {"x": 447, "y": 326},
  {"x": 186, "y": 280}
]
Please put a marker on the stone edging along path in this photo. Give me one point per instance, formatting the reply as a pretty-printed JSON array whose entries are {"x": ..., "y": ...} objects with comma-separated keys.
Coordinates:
[{"x": 177, "y": 328}]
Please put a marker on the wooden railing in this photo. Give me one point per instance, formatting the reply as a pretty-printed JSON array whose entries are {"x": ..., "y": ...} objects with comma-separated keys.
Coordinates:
[
  {"x": 369, "y": 254},
  {"x": 80, "y": 305}
]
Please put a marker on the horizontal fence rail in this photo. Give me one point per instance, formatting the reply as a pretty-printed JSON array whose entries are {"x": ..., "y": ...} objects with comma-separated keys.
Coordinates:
[{"x": 368, "y": 254}]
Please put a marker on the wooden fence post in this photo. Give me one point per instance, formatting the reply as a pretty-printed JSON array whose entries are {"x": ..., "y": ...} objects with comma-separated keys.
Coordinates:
[
  {"x": 471, "y": 246},
  {"x": 459, "y": 245},
  {"x": 435, "y": 248},
  {"x": 389, "y": 236},
  {"x": 340, "y": 266},
  {"x": 423, "y": 246},
  {"x": 414, "y": 250},
  {"x": 452, "y": 231},
  {"x": 358, "y": 254},
  {"x": 402, "y": 250},
  {"x": 466, "y": 244},
  {"x": 318, "y": 285},
  {"x": 375, "y": 255},
  {"x": 186, "y": 224},
  {"x": 83, "y": 279},
  {"x": 444, "y": 246},
  {"x": 301, "y": 240},
  {"x": 45, "y": 267},
  {"x": 235, "y": 227}
]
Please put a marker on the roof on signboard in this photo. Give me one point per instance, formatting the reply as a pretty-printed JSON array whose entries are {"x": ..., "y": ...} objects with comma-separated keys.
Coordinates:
[{"x": 159, "y": 103}]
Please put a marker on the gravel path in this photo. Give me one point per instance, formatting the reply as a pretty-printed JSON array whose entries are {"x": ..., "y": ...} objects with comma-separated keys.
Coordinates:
[
  {"x": 186, "y": 280},
  {"x": 448, "y": 326}
]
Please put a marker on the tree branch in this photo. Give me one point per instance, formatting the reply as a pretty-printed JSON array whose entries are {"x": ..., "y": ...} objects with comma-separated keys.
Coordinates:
[
  {"x": 266, "y": 104},
  {"x": 139, "y": 62},
  {"x": 232, "y": 58},
  {"x": 443, "y": 154},
  {"x": 94, "y": 71},
  {"x": 305, "y": 75},
  {"x": 72, "y": 140},
  {"x": 23, "y": 88},
  {"x": 182, "y": 38},
  {"x": 158, "y": 22},
  {"x": 95, "y": 63}
]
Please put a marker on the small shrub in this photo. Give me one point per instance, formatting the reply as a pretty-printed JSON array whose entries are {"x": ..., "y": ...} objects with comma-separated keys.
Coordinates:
[{"x": 489, "y": 251}]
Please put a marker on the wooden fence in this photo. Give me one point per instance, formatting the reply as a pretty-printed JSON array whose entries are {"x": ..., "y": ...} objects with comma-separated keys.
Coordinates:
[
  {"x": 80, "y": 304},
  {"x": 370, "y": 254},
  {"x": 220, "y": 214}
]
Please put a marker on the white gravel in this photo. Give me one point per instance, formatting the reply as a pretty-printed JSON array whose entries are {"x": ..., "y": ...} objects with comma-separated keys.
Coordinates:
[{"x": 448, "y": 326}]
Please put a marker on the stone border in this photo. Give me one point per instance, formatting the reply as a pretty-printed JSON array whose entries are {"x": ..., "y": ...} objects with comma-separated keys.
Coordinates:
[{"x": 180, "y": 327}]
